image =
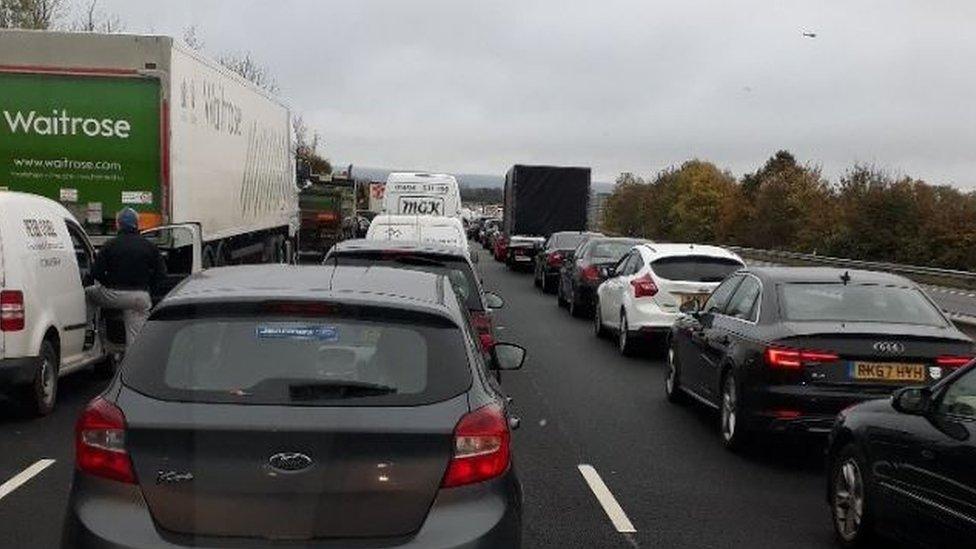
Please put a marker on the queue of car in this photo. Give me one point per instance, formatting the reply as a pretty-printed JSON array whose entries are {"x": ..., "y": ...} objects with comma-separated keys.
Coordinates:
[{"x": 863, "y": 359}]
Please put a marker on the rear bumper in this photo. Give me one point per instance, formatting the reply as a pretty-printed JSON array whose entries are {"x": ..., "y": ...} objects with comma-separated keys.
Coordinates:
[
  {"x": 649, "y": 317},
  {"x": 110, "y": 515},
  {"x": 17, "y": 371},
  {"x": 796, "y": 408}
]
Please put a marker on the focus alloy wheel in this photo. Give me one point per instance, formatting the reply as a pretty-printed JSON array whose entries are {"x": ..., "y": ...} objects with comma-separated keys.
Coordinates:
[{"x": 623, "y": 342}]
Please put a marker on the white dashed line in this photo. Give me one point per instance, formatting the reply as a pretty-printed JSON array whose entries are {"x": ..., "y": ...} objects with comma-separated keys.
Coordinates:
[
  {"x": 606, "y": 499},
  {"x": 22, "y": 477}
]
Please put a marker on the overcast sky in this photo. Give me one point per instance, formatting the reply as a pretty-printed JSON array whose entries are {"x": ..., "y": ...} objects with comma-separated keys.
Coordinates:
[{"x": 465, "y": 86}]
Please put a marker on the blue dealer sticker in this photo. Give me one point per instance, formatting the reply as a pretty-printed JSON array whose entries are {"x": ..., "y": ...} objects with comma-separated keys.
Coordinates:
[{"x": 317, "y": 333}]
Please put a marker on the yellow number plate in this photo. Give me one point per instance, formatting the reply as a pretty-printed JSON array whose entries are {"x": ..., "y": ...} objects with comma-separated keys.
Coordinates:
[{"x": 888, "y": 371}]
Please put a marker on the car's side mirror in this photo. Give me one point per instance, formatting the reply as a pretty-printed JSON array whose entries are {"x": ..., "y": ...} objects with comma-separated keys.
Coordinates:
[
  {"x": 494, "y": 301},
  {"x": 610, "y": 272},
  {"x": 912, "y": 400},
  {"x": 690, "y": 307},
  {"x": 508, "y": 356}
]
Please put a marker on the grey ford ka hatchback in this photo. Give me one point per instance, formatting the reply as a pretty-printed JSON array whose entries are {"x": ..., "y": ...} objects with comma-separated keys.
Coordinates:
[{"x": 270, "y": 406}]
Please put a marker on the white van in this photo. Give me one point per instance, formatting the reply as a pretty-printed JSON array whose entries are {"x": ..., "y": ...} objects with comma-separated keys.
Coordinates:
[
  {"x": 46, "y": 329},
  {"x": 419, "y": 228},
  {"x": 412, "y": 193}
]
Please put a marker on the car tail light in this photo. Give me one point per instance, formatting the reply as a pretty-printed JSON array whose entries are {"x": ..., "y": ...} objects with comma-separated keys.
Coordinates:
[
  {"x": 11, "y": 310},
  {"x": 590, "y": 273},
  {"x": 793, "y": 359},
  {"x": 644, "y": 286},
  {"x": 482, "y": 325},
  {"x": 948, "y": 361},
  {"x": 482, "y": 447},
  {"x": 100, "y": 442},
  {"x": 554, "y": 259}
]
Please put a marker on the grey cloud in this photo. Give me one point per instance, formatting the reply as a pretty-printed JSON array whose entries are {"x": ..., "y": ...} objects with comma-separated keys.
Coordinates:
[{"x": 621, "y": 86}]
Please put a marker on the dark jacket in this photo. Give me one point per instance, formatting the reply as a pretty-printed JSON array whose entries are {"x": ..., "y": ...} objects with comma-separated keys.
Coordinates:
[{"x": 129, "y": 262}]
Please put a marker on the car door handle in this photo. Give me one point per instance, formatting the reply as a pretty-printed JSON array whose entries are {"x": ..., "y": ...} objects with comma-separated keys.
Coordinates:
[{"x": 927, "y": 454}]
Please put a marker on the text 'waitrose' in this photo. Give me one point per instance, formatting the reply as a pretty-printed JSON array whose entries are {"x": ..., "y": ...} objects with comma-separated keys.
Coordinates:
[{"x": 61, "y": 123}]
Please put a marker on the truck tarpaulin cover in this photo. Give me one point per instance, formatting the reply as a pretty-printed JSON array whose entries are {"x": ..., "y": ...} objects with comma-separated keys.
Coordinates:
[{"x": 540, "y": 200}]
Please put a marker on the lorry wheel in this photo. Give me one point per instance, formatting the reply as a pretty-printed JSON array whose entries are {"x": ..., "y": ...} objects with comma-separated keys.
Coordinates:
[
  {"x": 288, "y": 250},
  {"x": 208, "y": 258}
]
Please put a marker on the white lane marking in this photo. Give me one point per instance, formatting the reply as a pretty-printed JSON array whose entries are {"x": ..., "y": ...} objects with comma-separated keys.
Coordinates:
[
  {"x": 606, "y": 499},
  {"x": 22, "y": 477}
]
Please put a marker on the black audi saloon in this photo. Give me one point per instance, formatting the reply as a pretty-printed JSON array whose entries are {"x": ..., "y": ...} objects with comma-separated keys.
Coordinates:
[
  {"x": 906, "y": 466},
  {"x": 784, "y": 349},
  {"x": 268, "y": 406}
]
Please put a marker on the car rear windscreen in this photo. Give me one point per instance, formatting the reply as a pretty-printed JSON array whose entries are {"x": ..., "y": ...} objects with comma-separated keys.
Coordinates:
[
  {"x": 354, "y": 359},
  {"x": 695, "y": 268},
  {"x": 456, "y": 270},
  {"x": 858, "y": 303},
  {"x": 612, "y": 250},
  {"x": 567, "y": 241}
]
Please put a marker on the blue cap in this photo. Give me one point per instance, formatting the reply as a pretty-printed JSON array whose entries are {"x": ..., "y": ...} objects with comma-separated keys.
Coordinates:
[{"x": 128, "y": 220}]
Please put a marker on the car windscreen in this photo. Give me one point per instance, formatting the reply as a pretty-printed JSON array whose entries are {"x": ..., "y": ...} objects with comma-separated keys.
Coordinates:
[
  {"x": 456, "y": 270},
  {"x": 695, "y": 268},
  {"x": 353, "y": 359},
  {"x": 858, "y": 303},
  {"x": 611, "y": 250},
  {"x": 567, "y": 241}
]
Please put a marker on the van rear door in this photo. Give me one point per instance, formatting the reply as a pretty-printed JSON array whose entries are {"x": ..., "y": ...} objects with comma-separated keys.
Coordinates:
[{"x": 181, "y": 247}]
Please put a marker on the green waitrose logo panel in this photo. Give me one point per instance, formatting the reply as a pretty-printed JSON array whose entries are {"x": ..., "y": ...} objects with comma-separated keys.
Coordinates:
[{"x": 81, "y": 140}]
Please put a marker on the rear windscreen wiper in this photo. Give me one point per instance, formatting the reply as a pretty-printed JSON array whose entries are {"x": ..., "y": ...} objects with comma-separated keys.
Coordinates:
[
  {"x": 337, "y": 389},
  {"x": 414, "y": 260}
]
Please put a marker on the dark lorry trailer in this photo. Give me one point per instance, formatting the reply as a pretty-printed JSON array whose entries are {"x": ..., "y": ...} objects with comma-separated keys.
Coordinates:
[{"x": 541, "y": 200}]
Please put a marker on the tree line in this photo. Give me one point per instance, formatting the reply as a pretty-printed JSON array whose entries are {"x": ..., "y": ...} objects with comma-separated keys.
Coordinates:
[{"x": 868, "y": 214}]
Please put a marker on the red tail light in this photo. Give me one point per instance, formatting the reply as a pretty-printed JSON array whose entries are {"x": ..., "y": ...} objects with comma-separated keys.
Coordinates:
[
  {"x": 11, "y": 310},
  {"x": 644, "y": 286},
  {"x": 793, "y": 359},
  {"x": 590, "y": 273},
  {"x": 554, "y": 259},
  {"x": 482, "y": 447},
  {"x": 947, "y": 361},
  {"x": 481, "y": 323},
  {"x": 100, "y": 442}
]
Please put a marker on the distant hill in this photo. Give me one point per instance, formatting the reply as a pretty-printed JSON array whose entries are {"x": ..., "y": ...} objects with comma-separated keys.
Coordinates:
[{"x": 471, "y": 180}]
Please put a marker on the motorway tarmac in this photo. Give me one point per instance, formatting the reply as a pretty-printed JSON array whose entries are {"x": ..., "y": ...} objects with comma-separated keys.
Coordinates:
[{"x": 580, "y": 403}]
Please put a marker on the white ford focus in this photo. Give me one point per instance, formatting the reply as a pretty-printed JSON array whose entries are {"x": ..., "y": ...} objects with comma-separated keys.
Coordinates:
[{"x": 644, "y": 291}]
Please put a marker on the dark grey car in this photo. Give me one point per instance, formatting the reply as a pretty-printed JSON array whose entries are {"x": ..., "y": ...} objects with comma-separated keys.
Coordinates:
[{"x": 301, "y": 407}]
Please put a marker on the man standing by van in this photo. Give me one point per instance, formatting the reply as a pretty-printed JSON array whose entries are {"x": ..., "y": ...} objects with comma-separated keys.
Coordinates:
[{"x": 127, "y": 268}]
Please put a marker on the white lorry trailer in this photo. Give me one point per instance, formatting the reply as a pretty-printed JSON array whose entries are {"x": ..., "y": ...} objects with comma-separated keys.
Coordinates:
[{"x": 99, "y": 122}]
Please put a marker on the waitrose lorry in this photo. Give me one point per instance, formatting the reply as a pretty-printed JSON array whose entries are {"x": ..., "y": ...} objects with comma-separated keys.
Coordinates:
[{"x": 100, "y": 122}]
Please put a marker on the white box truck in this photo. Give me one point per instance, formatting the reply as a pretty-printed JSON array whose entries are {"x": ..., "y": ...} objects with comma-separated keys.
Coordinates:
[{"x": 99, "y": 122}]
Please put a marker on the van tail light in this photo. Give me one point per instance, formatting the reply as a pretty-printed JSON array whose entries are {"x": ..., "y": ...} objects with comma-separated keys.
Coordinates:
[
  {"x": 590, "y": 273},
  {"x": 482, "y": 447},
  {"x": 554, "y": 259},
  {"x": 100, "y": 442},
  {"x": 11, "y": 310},
  {"x": 481, "y": 323},
  {"x": 783, "y": 358},
  {"x": 948, "y": 361},
  {"x": 644, "y": 286}
]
